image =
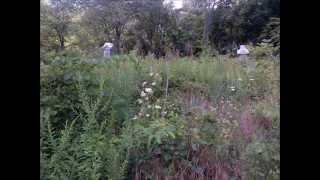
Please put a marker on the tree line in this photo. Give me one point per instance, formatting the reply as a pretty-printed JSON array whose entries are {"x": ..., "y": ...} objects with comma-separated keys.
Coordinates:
[{"x": 155, "y": 27}]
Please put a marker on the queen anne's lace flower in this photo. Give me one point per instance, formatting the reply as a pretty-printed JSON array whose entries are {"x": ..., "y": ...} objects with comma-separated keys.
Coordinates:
[
  {"x": 144, "y": 83},
  {"x": 148, "y": 90},
  {"x": 153, "y": 84},
  {"x": 143, "y": 94},
  {"x": 158, "y": 107}
]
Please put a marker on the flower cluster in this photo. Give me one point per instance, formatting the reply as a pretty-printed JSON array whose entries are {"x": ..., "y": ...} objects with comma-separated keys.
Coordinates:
[{"x": 147, "y": 97}]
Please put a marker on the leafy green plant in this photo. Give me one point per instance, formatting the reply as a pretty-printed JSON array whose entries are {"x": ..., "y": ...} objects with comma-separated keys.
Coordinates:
[{"x": 114, "y": 120}]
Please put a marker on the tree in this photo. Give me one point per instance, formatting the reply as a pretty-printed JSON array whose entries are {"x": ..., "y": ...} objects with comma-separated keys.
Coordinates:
[
  {"x": 153, "y": 22},
  {"x": 61, "y": 12},
  {"x": 271, "y": 33},
  {"x": 110, "y": 16}
]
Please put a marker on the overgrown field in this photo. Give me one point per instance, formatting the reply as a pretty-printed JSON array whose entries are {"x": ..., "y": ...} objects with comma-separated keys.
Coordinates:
[{"x": 129, "y": 118}]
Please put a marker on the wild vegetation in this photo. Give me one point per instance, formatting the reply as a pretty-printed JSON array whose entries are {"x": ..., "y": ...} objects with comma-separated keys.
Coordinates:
[{"x": 173, "y": 103}]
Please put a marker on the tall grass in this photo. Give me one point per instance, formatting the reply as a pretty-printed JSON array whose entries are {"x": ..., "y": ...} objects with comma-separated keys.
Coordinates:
[{"x": 217, "y": 120}]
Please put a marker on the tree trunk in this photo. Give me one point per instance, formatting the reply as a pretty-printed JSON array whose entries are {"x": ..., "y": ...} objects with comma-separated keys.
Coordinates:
[
  {"x": 206, "y": 30},
  {"x": 62, "y": 47},
  {"x": 117, "y": 40},
  {"x": 61, "y": 41}
]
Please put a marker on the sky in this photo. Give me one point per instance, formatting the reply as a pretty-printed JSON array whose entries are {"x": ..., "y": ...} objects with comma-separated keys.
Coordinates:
[
  {"x": 46, "y": 1},
  {"x": 176, "y": 3}
]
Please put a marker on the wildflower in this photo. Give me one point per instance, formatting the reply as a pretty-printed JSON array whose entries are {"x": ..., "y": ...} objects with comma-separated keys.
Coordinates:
[
  {"x": 143, "y": 94},
  {"x": 144, "y": 83},
  {"x": 135, "y": 117},
  {"x": 149, "y": 106},
  {"x": 140, "y": 114},
  {"x": 153, "y": 84},
  {"x": 251, "y": 79},
  {"x": 212, "y": 108},
  {"x": 158, "y": 107},
  {"x": 147, "y": 115},
  {"x": 232, "y": 88},
  {"x": 151, "y": 74},
  {"x": 139, "y": 101},
  {"x": 239, "y": 79},
  {"x": 157, "y": 74},
  {"x": 148, "y": 90},
  {"x": 146, "y": 98}
]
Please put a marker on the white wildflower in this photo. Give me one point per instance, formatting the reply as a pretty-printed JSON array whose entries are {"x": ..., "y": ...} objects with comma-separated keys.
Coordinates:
[
  {"x": 135, "y": 117},
  {"x": 158, "y": 107},
  {"x": 149, "y": 106},
  {"x": 140, "y": 101},
  {"x": 148, "y": 90},
  {"x": 151, "y": 74},
  {"x": 143, "y": 94},
  {"x": 251, "y": 79},
  {"x": 140, "y": 114},
  {"x": 147, "y": 115},
  {"x": 144, "y": 83},
  {"x": 239, "y": 79},
  {"x": 153, "y": 84},
  {"x": 146, "y": 98}
]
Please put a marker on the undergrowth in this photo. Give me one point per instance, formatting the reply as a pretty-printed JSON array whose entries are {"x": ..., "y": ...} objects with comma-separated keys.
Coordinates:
[{"x": 133, "y": 118}]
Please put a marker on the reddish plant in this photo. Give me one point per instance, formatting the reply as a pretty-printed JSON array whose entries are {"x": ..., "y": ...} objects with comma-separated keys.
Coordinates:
[{"x": 247, "y": 125}]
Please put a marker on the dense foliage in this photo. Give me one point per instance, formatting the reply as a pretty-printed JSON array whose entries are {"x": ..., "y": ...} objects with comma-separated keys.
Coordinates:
[
  {"x": 154, "y": 27},
  {"x": 172, "y": 103},
  {"x": 146, "y": 119}
]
